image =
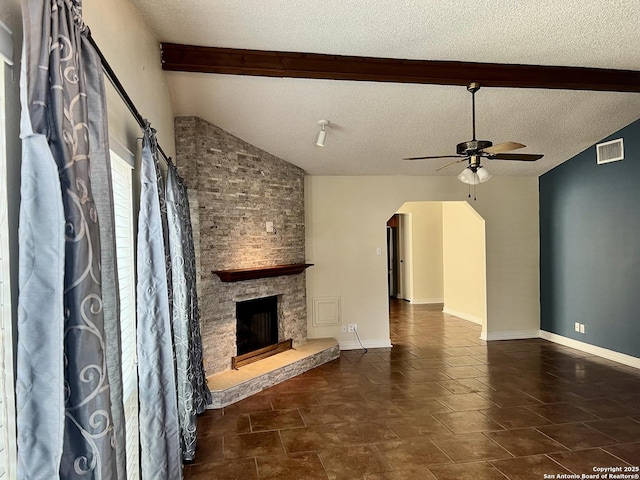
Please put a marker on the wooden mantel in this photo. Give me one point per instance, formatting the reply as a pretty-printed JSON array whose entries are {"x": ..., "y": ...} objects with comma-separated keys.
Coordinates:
[{"x": 239, "y": 274}]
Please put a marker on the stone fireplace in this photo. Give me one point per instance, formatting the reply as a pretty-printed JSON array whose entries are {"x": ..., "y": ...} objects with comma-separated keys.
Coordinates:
[{"x": 234, "y": 190}]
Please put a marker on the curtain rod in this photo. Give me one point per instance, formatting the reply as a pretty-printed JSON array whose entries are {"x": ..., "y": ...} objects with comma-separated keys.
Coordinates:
[{"x": 111, "y": 75}]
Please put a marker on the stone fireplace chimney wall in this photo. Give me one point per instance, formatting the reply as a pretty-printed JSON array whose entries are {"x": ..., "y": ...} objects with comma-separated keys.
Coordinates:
[{"x": 234, "y": 189}]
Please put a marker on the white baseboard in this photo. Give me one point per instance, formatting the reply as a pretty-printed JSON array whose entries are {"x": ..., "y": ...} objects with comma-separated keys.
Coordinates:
[
  {"x": 510, "y": 335},
  {"x": 462, "y": 315},
  {"x": 427, "y": 301},
  {"x": 355, "y": 345},
  {"x": 593, "y": 349}
]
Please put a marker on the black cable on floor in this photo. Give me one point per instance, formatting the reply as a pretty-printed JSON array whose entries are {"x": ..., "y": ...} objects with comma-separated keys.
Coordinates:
[{"x": 358, "y": 337}]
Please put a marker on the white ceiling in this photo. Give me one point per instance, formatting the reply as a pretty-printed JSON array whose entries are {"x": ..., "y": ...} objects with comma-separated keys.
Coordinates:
[{"x": 374, "y": 125}]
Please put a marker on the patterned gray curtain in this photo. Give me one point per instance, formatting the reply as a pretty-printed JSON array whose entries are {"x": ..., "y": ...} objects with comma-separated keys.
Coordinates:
[
  {"x": 193, "y": 394},
  {"x": 64, "y": 417},
  {"x": 159, "y": 425}
]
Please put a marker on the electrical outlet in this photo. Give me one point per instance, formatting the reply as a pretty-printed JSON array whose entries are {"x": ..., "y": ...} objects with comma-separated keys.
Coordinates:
[
  {"x": 344, "y": 328},
  {"x": 355, "y": 327},
  {"x": 576, "y": 326},
  {"x": 582, "y": 329},
  {"x": 269, "y": 227},
  {"x": 351, "y": 329}
]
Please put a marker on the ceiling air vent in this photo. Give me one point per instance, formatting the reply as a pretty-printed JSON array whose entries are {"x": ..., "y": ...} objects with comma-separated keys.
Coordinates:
[{"x": 610, "y": 151}]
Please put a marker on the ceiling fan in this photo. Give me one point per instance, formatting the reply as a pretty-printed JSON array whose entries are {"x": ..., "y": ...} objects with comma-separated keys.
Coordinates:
[{"x": 474, "y": 150}]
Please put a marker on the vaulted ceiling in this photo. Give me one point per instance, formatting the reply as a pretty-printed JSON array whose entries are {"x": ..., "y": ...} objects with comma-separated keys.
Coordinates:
[{"x": 375, "y": 124}]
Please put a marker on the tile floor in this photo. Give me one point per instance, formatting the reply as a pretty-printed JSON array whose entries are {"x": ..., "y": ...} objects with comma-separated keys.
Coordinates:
[{"x": 441, "y": 404}]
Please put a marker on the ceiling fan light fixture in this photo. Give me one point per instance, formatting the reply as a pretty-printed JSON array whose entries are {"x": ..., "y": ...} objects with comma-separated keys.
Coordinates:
[
  {"x": 470, "y": 177},
  {"x": 322, "y": 134},
  {"x": 483, "y": 174}
]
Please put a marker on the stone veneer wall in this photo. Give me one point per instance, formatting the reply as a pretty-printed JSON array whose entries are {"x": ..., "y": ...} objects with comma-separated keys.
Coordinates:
[{"x": 234, "y": 189}]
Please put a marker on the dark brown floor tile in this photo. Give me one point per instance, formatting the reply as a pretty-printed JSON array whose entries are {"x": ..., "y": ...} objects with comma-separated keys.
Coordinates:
[
  {"x": 515, "y": 417},
  {"x": 421, "y": 406},
  {"x": 453, "y": 342},
  {"x": 465, "y": 385},
  {"x": 577, "y": 436},
  {"x": 310, "y": 439},
  {"x": 415, "y": 451},
  {"x": 429, "y": 352},
  {"x": 326, "y": 414},
  {"x": 462, "y": 361},
  {"x": 353, "y": 462},
  {"x": 476, "y": 471},
  {"x": 209, "y": 449},
  {"x": 303, "y": 384},
  {"x": 426, "y": 389},
  {"x": 461, "y": 372},
  {"x": 388, "y": 378},
  {"x": 227, "y": 424},
  {"x": 405, "y": 472},
  {"x": 629, "y": 452},
  {"x": 285, "y": 401},
  {"x": 249, "y": 405},
  {"x": 510, "y": 398},
  {"x": 275, "y": 420},
  {"x": 562, "y": 412},
  {"x": 303, "y": 466},
  {"x": 471, "y": 447},
  {"x": 525, "y": 441},
  {"x": 339, "y": 397},
  {"x": 408, "y": 427},
  {"x": 467, "y": 422},
  {"x": 529, "y": 468},
  {"x": 606, "y": 408},
  {"x": 584, "y": 461},
  {"x": 549, "y": 394},
  {"x": 624, "y": 430},
  {"x": 364, "y": 432},
  {"x": 426, "y": 375},
  {"x": 466, "y": 401},
  {"x": 385, "y": 392},
  {"x": 426, "y": 363},
  {"x": 244, "y": 469},
  {"x": 252, "y": 445}
]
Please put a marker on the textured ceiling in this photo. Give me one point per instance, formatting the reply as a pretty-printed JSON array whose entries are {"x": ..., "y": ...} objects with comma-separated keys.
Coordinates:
[{"x": 374, "y": 125}]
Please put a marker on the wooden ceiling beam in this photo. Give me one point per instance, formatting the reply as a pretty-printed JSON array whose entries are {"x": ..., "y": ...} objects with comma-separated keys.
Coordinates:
[{"x": 231, "y": 61}]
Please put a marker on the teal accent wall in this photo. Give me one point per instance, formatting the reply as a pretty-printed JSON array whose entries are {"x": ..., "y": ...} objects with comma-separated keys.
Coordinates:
[{"x": 590, "y": 247}]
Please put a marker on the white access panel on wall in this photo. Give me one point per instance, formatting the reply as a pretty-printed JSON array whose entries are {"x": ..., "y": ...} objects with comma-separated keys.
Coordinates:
[{"x": 326, "y": 311}]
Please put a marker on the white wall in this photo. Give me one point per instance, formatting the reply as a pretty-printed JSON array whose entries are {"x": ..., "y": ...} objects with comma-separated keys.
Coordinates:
[
  {"x": 134, "y": 54},
  {"x": 464, "y": 255},
  {"x": 426, "y": 257},
  {"x": 346, "y": 221}
]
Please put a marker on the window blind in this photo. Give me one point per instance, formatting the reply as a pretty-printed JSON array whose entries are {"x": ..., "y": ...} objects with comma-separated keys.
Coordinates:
[
  {"x": 123, "y": 207},
  {"x": 7, "y": 399},
  {"x": 6, "y": 44}
]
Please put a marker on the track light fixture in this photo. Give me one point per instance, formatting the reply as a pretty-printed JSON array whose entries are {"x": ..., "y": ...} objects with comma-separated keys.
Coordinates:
[{"x": 322, "y": 134}]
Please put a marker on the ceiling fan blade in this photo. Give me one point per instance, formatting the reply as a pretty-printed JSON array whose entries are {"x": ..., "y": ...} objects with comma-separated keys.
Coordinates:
[
  {"x": 437, "y": 156},
  {"x": 503, "y": 147},
  {"x": 452, "y": 163},
  {"x": 523, "y": 157}
]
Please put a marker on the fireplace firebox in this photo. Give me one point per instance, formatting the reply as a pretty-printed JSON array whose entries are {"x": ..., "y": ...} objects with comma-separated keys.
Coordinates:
[
  {"x": 256, "y": 324},
  {"x": 257, "y": 331}
]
